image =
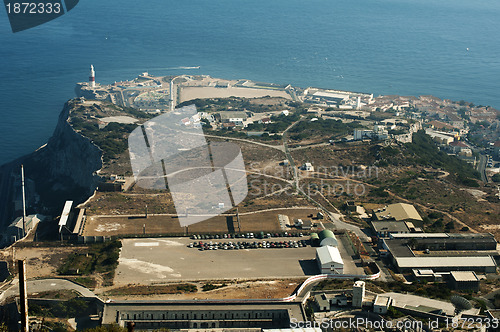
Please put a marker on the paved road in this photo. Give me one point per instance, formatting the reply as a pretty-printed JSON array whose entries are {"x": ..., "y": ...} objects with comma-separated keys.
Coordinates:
[
  {"x": 277, "y": 147},
  {"x": 482, "y": 167},
  {"x": 45, "y": 285}
]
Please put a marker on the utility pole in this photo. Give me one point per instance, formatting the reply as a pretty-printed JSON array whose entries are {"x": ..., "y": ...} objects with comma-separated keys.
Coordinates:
[
  {"x": 24, "y": 202},
  {"x": 238, "y": 219},
  {"x": 21, "y": 265}
]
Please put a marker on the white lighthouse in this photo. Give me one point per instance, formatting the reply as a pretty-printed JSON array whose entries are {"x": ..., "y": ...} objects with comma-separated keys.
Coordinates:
[{"x": 92, "y": 77}]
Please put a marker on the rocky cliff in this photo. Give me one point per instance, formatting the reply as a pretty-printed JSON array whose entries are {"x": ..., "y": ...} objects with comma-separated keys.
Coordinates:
[{"x": 64, "y": 169}]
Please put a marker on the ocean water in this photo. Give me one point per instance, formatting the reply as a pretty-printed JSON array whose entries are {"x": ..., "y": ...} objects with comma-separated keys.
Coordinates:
[{"x": 385, "y": 47}]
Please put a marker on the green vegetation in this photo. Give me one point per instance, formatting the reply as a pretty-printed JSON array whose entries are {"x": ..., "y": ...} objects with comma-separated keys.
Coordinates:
[
  {"x": 322, "y": 127},
  {"x": 188, "y": 288},
  {"x": 424, "y": 152},
  {"x": 65, "y": 309},
  {"x": 154, "y": 290},
  {"x": 100, "y": 258},
  {"x": 112, "y": 139},
  {"x": 85, "y": 281},
  {"x": 210, "y": 286},
  {"x": 238, "y": 103},
  {"x": 431, "y": 290},
  {"x": 110, "y": 328},
  {"x": 394, "y": 313},
  {"x": 496, "y": 177}
]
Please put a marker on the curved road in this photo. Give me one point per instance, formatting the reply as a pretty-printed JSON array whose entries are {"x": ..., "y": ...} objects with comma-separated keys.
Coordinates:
[{"x": 45, "y": 285}]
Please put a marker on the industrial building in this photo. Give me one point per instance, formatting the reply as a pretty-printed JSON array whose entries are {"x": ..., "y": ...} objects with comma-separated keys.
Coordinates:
[
  {"x": 398, "y": 212},
  {"x": 464, "y": 280},
  {"x": 15, "y": 230},
  {"x": 358, "y": 294},
  {"x": 329, "y": 260},
  {"x": 381, "y": 304},
  {"x": 71, "y": 221},
  {"x": 236, "y": 117},
  {"x": 442, "y": 252},
  {"x": 327, "y": 238},
  {"x": 448, "y": 241},
  {"x": 329, "y": 98},
  {"x": 483, "y": 264},
  {"x": 379, "y": 132},
  {"x": 384, "y": 229},
  {"x": 202, "y": 315}
]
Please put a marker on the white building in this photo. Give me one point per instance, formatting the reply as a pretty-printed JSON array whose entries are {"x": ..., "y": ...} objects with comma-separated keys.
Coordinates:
[
  {"x": 307, "y": 167},
  {"x": 63, "y": 221},
  {"x": 358, "y": 294},
  {"x": 360, "y": 134},
  {"x": 329, "y": 260},
  {"x": 381, "y": 304},
  {"x": 15, "y": 230}
]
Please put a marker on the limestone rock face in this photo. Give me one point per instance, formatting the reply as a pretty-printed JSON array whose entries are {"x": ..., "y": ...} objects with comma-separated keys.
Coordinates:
[
  {"x": 64, "y": 169},
  {"x": 72, "y": 156}
]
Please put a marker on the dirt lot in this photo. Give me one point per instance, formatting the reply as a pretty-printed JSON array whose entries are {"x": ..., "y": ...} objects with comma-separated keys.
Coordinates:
[
  {"x": 168, "y": 224},
  {"x": 258, "y": 289},
  {"x": 40, "y": 262}
]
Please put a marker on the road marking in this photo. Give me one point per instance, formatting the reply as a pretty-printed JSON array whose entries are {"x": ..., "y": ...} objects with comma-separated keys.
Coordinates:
[{"x": 146, "y": 244}]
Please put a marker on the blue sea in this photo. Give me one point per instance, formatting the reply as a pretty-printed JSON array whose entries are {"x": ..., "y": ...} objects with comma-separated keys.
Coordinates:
[{"x": 402, "y": 47}]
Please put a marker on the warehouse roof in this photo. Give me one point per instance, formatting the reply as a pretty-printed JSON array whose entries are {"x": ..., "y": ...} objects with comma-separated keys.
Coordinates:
[
  {"x": 444, "y": 236},
  {"x": 399, "y": 212},
  {"x": 65, "y": 214},
  {"x": 464, "y": 276},
  {"x": 432, "y": 262},
  {"x": 390, "y": 226},
  {"x": 326, "y": 233},
  {"x": 329, "y": 254},
  {"x": 419, "y": 235},
  {"x": 324, "y": 94}
]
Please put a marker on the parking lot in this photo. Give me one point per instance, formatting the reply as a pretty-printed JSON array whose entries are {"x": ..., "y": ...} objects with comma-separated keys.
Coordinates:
[{"x": 154, "y": 260}]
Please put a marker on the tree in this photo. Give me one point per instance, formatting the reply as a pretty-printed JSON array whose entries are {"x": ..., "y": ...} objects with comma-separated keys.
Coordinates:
[{"x": 496, "y": 177}]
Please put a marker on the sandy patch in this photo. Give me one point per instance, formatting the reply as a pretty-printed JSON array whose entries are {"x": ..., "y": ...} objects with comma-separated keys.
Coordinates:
[
  {"x": 160, "y": 271},
  {"x": 119, "y": 119},
  {"x": 111, "y": 227},
  {"x": 478, "y": 194}
]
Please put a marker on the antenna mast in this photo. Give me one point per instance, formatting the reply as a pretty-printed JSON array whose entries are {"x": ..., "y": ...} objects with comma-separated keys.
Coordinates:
[{"x": 24, "y": 201}]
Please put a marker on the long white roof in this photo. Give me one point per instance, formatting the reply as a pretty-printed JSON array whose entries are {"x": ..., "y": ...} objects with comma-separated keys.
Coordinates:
[
  {"x": 329, "y": 254},
  {"x": 459, "y": 261},
  {"x": 419, "y": 235},
  {"x": 65, "y": 214}
]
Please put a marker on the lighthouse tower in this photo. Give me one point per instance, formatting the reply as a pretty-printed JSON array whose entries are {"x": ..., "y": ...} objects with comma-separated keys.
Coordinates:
[{"x": 92, "y": 77}]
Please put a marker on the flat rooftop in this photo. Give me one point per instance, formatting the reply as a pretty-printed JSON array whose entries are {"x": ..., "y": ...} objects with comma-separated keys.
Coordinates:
[
  {"x": 382, "y": 300},
  {"x": 112, "y": 308},
  {"x": 451, "y": 262},
  {"x": 390, "y": 226},
  {"x": 464, "y": 276},
  {"x": 398, "y": 248}
]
